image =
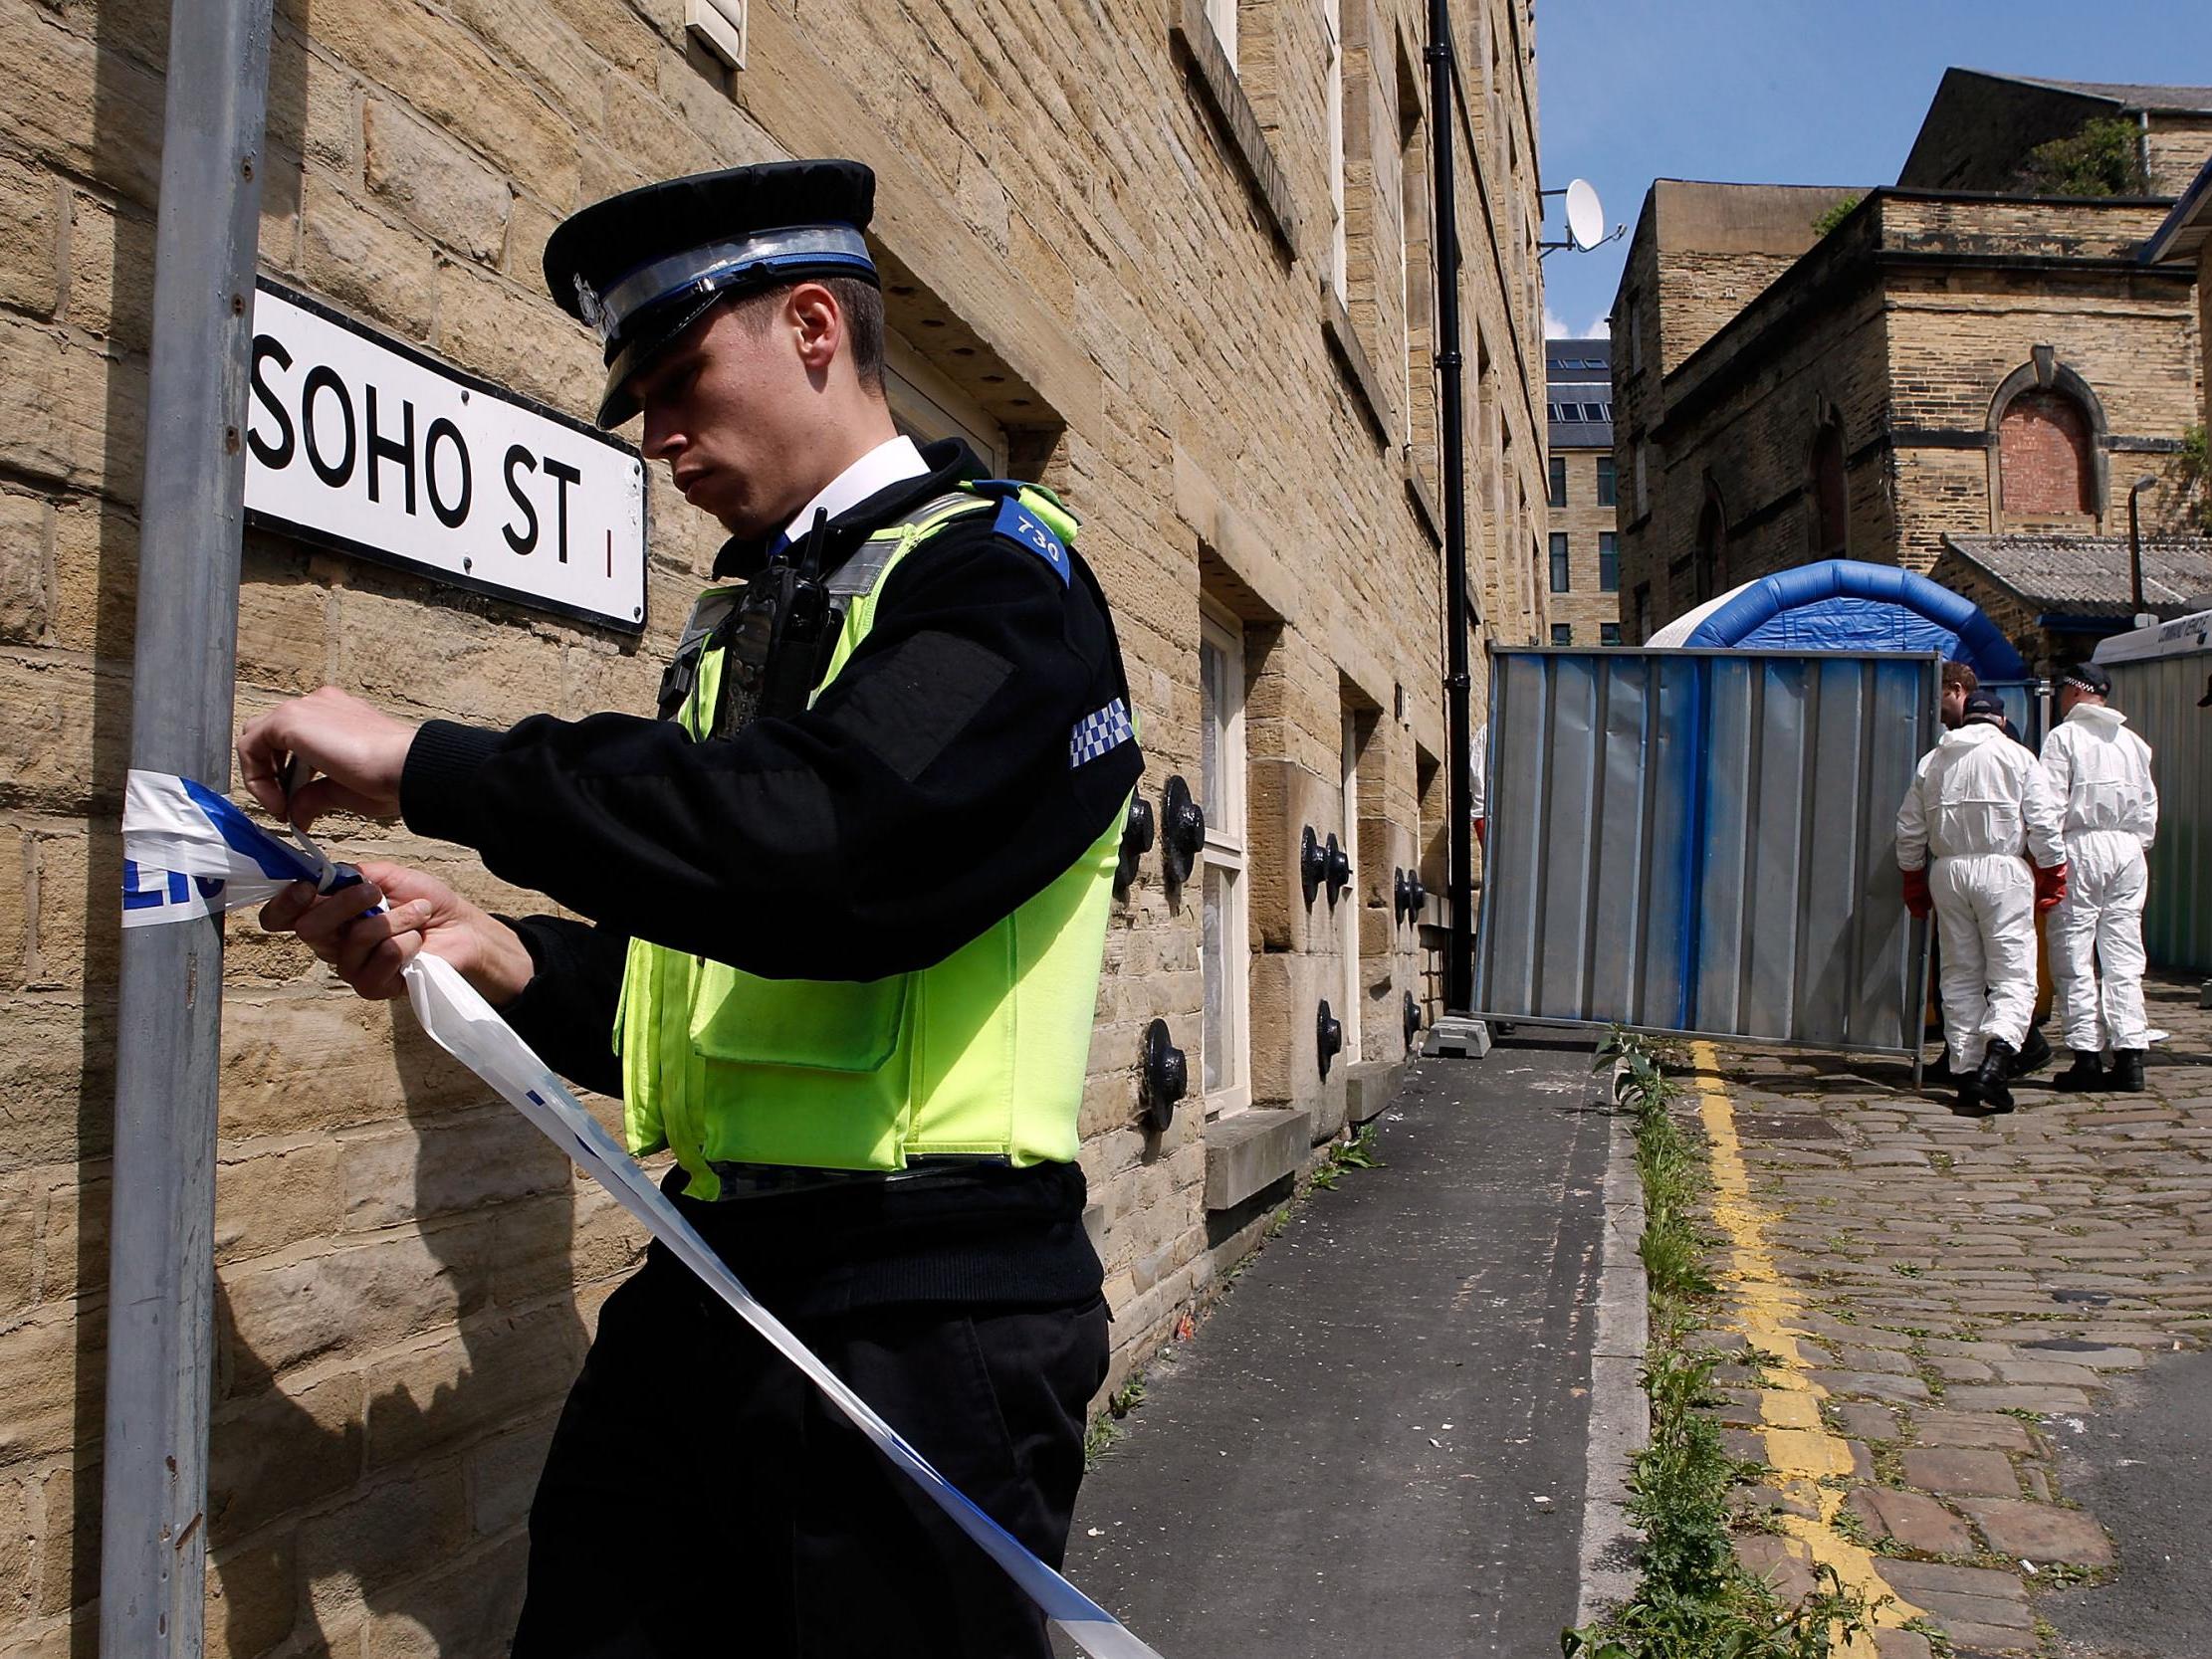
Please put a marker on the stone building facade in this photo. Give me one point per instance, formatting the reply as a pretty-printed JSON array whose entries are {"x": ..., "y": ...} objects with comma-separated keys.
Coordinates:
[
  {"x": 1936, "y": 364},
  {"x": 1582, "y": 551},
  {"x": 1174, "y": 265}
]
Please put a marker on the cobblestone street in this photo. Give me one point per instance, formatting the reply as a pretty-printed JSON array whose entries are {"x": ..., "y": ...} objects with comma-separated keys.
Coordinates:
[{"x": 1926, "y": 1305}]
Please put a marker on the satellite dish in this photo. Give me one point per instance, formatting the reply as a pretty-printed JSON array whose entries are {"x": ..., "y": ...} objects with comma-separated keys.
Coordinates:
[{"x": 1585, "y": 218}]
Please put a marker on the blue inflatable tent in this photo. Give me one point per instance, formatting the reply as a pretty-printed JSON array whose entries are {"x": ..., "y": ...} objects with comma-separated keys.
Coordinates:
[{"x": 1842, "y": 604}]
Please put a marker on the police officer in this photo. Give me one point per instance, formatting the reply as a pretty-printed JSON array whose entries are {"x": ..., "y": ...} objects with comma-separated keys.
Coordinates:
[
  {"x": 2100, "y": 773},
  {"x": 1978, "y": 802},
  {"x": 847, "y": 900}
]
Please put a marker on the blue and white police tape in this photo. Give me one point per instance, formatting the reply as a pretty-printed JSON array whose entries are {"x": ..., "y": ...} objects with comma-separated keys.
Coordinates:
[{"x": 177, "y": 832}]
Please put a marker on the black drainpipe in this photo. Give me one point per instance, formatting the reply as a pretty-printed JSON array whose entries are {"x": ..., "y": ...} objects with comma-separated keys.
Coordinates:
[{"x": 1458, "y": 975}]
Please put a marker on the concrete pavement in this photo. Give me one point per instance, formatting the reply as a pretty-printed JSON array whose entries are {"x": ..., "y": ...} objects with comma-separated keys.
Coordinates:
[{"x": 1379, "y": 1441}]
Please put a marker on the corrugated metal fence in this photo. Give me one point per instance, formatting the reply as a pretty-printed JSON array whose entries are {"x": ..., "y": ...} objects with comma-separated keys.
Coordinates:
[
  {"x": 2158, "y": 695},
  {"x": 1703, "y": 841}
]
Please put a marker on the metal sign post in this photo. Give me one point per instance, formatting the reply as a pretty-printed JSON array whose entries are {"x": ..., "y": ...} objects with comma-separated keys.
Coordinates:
[{"x": 161, "y": 1255}]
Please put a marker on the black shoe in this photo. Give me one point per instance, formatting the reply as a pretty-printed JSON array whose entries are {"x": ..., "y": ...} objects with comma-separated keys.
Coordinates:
[
  {"x": 2127, "y": 1071},
  {"x": 2035, "y": 1053},
  {"x": 2084, "y": 1077},
  {"x": 1989, "y": 1081},
  {"x": 1937, "y": 1070}
]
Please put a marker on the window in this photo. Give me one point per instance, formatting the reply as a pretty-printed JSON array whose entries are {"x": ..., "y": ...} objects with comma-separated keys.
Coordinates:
[
  {"x": 2043, "y": 443},
  {"x": 1348, "y": 907},
  {"x": 1712, "y": 537},
  {"x": 1597, "y": 411},
  {"x": 1608, "y": 562},
  {"x": 1559, "y": 481},
  {"x": 1831, "y": 503},
  {"x": 1605, "y": 480},
  {"x": 1332, "y": 30},
  {"x": 926, "y": 406},
  {"x": 1559, "y": 576},
  {"x": 1568, "y": 412},
  {"x": 1609, "y": 633},
  {"x": 1562, "y": 633},
  {"x": 1223, "y": 15},
  {"x": 1224, "y": 938}
]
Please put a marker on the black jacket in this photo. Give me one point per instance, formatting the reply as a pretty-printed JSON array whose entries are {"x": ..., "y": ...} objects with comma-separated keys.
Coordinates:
[{"x": 927, "y": 794}]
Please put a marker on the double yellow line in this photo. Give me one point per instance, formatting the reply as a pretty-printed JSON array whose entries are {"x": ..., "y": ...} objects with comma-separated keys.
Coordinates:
[{"x": 1770, "y": 1315}]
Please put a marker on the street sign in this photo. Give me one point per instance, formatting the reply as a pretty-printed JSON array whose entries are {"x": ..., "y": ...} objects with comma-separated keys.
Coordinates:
[{"x": 361, "y": 443}]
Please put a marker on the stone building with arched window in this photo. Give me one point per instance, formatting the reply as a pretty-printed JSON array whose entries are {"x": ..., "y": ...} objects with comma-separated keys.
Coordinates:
[{"x": 1965, "y": 382}]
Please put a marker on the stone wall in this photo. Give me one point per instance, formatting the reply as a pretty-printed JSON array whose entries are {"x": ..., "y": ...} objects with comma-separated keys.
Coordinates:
[
  {"x": 1076, "y": 238},
  {"x": 2174, "y": 147}
]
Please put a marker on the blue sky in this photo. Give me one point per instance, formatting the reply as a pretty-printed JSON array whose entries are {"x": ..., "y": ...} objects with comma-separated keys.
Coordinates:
[{"x": 1787, "y": 91}]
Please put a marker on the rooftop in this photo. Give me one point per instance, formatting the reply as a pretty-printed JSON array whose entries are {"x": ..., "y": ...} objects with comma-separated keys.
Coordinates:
[
  {"x": 1981, "y": 127},
  {"x": 2087, "y": 575}
]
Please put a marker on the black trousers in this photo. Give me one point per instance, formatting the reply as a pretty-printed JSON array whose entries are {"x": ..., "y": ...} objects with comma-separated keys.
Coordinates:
[{"x": 701, "y": 1498}]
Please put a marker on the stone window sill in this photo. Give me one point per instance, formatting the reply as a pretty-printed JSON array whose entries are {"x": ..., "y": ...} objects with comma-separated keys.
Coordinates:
[
  {"x": 1351, "y": 357},
  {"x": 1246, "y": 1152},
  {"x": 1193, "y": 35}
]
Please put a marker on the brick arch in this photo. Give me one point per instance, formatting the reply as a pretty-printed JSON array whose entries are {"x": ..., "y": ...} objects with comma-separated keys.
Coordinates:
[{"x": 2046, "y": 440}]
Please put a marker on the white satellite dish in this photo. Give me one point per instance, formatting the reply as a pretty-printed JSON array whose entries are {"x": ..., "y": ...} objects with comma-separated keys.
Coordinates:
[{"x": 1585, "y": 218}]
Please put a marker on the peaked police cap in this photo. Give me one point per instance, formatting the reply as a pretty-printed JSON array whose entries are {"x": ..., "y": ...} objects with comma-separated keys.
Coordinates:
[{"x": 640, "y": 268}]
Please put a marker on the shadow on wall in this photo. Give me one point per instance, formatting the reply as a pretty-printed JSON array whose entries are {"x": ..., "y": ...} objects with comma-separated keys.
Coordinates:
[
  {"x": 372, "y": 1458},
  {"x": 394, "y": 1487}
]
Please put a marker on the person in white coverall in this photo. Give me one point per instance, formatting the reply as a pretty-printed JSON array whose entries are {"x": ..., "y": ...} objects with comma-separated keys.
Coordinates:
[
  {"x": 1979, "y": 802},
  {"x": 2100, "y": 771}
]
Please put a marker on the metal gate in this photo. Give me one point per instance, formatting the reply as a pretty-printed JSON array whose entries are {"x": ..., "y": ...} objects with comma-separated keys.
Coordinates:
[
  {"x": 2168, "y": 701},
  {"x": 1704, "y": 841}
]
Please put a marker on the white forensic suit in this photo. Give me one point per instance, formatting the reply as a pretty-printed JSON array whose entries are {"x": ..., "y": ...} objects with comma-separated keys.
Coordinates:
[
  {"x": 2100, "y": 772},
  {"x": 1979, "y": 808}
]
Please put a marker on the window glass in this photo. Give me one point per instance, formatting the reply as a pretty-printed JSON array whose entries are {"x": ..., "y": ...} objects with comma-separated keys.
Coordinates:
[
  {"x": 1559, "y": 481},
  {"x": 1608, "y": 562},
  {"x": 1609, "y": 633},
  {"x": 1218, "y": 1059},
  {"x": 1562, "y": 633},
  {"x": 1605, "y": 480},
  {"x": 1558, "y": 573},
  {"x": 1219, "y": 876}
]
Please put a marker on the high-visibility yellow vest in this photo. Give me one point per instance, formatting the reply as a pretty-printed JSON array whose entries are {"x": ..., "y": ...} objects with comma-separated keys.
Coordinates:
[{"x": 983, "y": 1053}]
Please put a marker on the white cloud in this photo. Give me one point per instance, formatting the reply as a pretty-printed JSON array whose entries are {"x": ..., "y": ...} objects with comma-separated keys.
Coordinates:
[{"x": 1555, "y": 327}]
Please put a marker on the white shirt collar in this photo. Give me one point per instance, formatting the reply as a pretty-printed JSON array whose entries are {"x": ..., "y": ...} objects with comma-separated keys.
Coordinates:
[{"x": 887, "y": 464}]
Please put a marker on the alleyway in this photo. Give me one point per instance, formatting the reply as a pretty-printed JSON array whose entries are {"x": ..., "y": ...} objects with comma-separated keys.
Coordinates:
[
  {"x": 1961, "y": 1342},
  {"x": 1376, "y": 1445}
]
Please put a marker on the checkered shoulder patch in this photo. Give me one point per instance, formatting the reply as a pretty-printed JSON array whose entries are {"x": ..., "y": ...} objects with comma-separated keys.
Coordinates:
[{"x": 1099, "y": 733}]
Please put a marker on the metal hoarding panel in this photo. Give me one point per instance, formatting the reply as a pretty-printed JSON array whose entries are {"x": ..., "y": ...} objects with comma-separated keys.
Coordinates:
[
  {"x": 2159, "y": 696},
  {"x": 1703, "y": 841}
]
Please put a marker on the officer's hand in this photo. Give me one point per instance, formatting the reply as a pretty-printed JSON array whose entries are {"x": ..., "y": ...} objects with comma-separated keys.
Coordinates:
[
  {"x": 420, "y": 913},
  {"x": 359, "y": 750}
]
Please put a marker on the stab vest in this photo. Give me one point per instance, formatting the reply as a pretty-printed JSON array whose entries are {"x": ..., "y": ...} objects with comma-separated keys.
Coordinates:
[{"x": 983, "y": 1054}]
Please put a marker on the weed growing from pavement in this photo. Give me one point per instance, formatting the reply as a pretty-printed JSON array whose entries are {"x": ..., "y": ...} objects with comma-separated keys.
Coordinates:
[
  {"x": 1105, "y": 1429},
  {"x": 1696, "y": 1599}
]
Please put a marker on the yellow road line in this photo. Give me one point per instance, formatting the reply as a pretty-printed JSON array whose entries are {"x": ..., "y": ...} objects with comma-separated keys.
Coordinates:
[{"x": 1770, "y": 1315}]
